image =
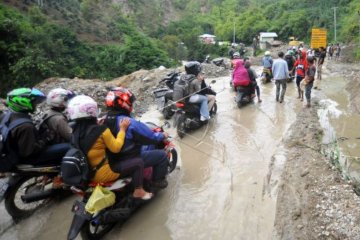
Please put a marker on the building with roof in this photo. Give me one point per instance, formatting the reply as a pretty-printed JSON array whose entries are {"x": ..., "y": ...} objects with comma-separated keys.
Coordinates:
[
  {"x": 207, "y": 38},
  {"x": 266, "y": 37}
]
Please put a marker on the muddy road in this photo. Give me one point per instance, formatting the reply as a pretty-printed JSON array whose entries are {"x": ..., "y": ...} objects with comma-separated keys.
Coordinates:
[{"x": 225, "y": 186}]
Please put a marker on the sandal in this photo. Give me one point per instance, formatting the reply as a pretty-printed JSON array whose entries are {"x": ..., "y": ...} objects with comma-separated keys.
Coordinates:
[{"x": 147, "y": 196}]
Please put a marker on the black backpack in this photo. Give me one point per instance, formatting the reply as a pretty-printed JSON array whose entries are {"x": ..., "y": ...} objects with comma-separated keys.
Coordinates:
[
  {"x": 75, "y": 168},
  {"x": 8, "y": 158}
]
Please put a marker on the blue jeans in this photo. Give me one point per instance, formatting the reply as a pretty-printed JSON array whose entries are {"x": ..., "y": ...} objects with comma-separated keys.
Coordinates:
[
  {"x": 158, "y": 160},
  {"x": 203, "y": 100},
  {"x": 49, "y": 156}
]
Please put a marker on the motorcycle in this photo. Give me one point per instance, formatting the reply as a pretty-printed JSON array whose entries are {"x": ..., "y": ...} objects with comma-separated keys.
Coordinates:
[
  {"x": 266, "y": 75},
  {"x": 164, "y": 96},
  {"x": 28, "y": 188},
  {"x": 243, "y": 95},
  {"x": 188, "y": 114},
  {"x": 95, "y": 226}
]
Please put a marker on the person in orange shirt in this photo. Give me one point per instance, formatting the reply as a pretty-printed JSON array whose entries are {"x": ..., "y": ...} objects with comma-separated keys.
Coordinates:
[{"x": 98, "y": 139}]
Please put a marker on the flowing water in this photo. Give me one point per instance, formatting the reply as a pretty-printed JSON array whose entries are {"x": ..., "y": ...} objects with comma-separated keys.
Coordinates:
[{"x": 225, "y": 186}]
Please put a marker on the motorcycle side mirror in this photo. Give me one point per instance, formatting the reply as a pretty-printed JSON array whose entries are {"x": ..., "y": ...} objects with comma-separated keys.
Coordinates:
[
  {"x": 213, "y": 81},
  {"x": 166, "y": 124}
]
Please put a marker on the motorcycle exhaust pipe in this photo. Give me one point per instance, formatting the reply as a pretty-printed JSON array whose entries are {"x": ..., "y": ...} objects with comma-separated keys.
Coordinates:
[{"x": 37, "y": 196}]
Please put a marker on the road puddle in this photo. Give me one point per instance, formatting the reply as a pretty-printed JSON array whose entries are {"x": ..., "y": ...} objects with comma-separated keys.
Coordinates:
[{"x": 225, "y": 186}]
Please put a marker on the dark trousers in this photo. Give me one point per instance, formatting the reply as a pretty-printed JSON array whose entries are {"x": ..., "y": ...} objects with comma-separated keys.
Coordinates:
[
  {"x": 158, "y": 160},
  {"x": 52, "y": 155},
  {"x": 298, "y": 80},
  {"x": 308, "y": 88},
  {"x": 133, "y": 167}
]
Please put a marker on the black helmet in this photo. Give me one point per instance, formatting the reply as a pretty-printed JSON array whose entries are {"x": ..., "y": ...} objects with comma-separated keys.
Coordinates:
[{"x": 193, "y": 67}]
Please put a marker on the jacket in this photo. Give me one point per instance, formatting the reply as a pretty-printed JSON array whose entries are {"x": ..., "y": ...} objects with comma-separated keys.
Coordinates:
[
  {"x": 137, "y": 135},
  {"x": 105, "y": 142},
  {"x": 25, "y": 140},
  {"x": 59, "y": 124}
]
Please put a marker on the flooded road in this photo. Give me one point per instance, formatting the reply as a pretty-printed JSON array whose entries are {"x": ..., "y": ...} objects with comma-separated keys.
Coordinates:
[{"x": 224, "y": 188}]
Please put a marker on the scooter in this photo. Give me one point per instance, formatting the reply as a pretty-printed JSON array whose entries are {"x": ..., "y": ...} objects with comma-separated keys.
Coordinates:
[
  {"x": 188, "y": 114},
  {"x": 28, "y": 188},
  {"x": 243, "y": 96},
  {"x": 266, "y": 75},
  {"x": 164, "y": 96},
  {"x": 95, "y": 226}
]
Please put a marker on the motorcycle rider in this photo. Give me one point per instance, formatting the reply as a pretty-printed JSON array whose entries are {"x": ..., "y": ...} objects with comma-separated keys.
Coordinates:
[
  {"x": 196, "y": 78},
  {"x": 84, "y": 110},
  {"x": 267, "y": 62},
  {"x": 252, "y": 76},
  {"x": 236, "y": 58},
  {"x": 30, "y": 145},
  {"x": 120, "y": 104},
  {"x": 54, "y": 118}
]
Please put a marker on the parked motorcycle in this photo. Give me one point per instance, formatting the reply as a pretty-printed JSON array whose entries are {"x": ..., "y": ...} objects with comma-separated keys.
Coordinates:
[
  {"x": 29, "y": 188},
  {"x": 188, "y": 114},
  {"x": 243, "y": 96},
  {"x": 95, "y": 226},
  {"x": 164, "y": 96},
  {"x": 266, "y": 75}
]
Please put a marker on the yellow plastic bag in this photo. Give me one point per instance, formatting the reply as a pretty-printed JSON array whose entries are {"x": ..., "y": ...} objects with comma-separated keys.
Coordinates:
[{"x": 100, "y": 198}]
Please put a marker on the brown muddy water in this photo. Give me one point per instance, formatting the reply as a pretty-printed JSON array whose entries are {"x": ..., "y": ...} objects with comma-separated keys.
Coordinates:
[
  {"x": 341, "y": 127},
  {"x": 225, "y": 186}
]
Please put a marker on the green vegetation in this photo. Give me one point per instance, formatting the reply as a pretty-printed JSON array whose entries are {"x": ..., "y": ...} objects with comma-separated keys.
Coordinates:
[
  {"x": 104, "y": 39},
  {"x": 32, "y": 49}
]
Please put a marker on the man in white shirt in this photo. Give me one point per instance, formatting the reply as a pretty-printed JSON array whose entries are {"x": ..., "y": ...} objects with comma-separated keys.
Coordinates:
[{"x": 281, "y": 74}]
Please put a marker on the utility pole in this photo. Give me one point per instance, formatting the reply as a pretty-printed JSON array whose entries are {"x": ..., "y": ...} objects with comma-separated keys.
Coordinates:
[
  {"x": 234, "y": 33},
  {"x": 335, "y": 23}
]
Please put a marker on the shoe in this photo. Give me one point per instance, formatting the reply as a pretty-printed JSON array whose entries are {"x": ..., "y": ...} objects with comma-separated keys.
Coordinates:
[
  {"x": 308, "y": 105},
  {"x": 160, "y": 183},
  {"x": 315, "y": 88},
  {"x": 281, "y": 100},
  {"x": 202, "y": 118},
  {"x": 147, "y": 196},
  {"x": 259, "y": 100}
]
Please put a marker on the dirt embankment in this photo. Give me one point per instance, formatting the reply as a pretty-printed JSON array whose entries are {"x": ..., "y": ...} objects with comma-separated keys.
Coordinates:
[{"x": 314, "y": 201}]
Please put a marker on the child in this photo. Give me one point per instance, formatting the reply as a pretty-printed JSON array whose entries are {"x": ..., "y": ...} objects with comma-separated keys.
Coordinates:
[{"x": 308, "y": 81}]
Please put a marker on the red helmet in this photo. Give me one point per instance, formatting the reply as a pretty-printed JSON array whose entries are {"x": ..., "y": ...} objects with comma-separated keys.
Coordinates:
[{"x": 120, "y": 98}]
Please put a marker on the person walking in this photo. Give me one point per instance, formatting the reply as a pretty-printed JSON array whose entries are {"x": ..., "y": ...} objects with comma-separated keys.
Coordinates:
[
  {"x": 308, "y": 81},
  {"x": 319, "y": 68},
  {"x": 281, "y": 74},
  {"x": 337, "y": 51}
]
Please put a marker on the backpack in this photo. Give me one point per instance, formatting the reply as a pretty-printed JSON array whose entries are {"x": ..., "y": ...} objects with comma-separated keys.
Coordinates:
[
  {"x": 240, "y": 76},
  {"x": 42, "y": 126},
  {"x": 8, "y": 158},
  {"x": 75, "y": 168},
  {"x": 182, "y": 87}
]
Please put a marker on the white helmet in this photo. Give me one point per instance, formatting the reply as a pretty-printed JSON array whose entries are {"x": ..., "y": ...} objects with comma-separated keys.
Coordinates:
[
  {"x": 267, "y": 53},
  {"x": 58, "y": 97},
  {"x": 82, "y": 107},
  {"x": 236, "y": 55}
]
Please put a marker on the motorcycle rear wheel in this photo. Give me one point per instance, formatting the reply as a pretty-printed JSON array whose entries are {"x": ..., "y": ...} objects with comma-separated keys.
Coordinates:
[
  {"x": 181, "y": 128},
  {"x": 14, "y": 204},
  {"x": 172, "y": 155},
  {"x": 213, "y": 110}
]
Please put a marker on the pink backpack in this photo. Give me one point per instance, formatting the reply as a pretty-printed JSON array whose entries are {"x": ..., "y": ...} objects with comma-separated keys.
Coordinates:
[{"x": 240, "y": 75}]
